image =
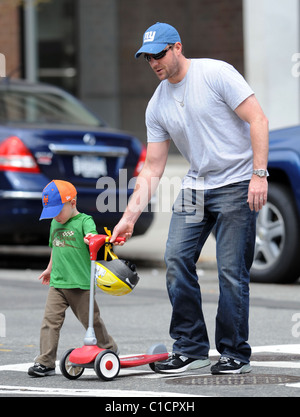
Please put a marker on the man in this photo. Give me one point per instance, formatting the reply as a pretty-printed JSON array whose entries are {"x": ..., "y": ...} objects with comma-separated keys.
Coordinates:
[{"x": 206, "y": 107}]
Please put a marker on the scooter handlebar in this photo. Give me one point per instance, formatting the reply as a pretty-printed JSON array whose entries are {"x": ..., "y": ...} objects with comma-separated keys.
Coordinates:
[{"x": 97, "y": 241}]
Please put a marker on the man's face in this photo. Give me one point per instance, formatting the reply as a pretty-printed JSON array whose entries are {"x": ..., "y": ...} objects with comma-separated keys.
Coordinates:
[{"x": 166, "y": 67}]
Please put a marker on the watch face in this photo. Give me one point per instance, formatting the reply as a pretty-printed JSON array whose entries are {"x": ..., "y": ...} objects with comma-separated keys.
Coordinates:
[{"x": 260, "y": 172}]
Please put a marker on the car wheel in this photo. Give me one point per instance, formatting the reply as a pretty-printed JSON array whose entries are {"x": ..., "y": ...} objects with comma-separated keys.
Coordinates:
[{"x": 276, "y": 257}]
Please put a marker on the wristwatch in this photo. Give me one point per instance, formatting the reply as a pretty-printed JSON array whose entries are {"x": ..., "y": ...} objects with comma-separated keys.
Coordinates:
[{"x": 261, "y": 172}]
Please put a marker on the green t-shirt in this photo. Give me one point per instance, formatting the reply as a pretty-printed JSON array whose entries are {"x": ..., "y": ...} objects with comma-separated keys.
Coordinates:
[{"x": 71, "y": 265}]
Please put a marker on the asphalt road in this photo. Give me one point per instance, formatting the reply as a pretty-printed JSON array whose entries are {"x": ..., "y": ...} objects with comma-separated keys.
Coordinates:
[{"x": 139, "y": 320}]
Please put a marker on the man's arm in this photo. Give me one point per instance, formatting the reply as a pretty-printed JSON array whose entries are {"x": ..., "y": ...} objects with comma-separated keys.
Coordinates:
[
  {"x": 251, "y": 112},
  {"x": 146, "y": 184}
]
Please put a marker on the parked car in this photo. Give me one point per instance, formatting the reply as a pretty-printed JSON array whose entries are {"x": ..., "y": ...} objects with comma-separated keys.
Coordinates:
[
  {"x": 45, "y": 134},
  {"x": 277, "y": 252}
]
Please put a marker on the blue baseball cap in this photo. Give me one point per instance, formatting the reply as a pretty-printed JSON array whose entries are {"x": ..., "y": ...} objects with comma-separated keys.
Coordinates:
[
  {"x": 54, "y": 196},
  {"x": 157, "y": 37}
]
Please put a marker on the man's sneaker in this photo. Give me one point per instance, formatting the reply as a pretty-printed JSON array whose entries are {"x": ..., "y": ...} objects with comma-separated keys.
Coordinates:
[
  {"x": 179, "y": 363},
  {"x": 40, "y": 370},
  {"x": 230, "y": 366}
]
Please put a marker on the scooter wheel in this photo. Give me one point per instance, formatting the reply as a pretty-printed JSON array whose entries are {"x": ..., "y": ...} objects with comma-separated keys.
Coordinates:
[
  {"x": 156, "y": 349},
  {"x": 107, "y": 365},
  {"x": 152, "y": 366},
  {"x": 66, "y": 367}
]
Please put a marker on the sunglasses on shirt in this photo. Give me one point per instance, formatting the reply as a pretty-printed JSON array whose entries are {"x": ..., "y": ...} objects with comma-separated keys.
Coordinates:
[{"x": 160, "y": 55}]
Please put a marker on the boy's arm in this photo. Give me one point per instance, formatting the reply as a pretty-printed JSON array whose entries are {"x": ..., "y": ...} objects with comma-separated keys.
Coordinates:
[
  {"x": 45, "y": 276},
  {"x": 89, "y": 229}
]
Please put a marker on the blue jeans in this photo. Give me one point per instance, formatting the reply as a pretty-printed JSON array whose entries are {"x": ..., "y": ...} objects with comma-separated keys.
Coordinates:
[{"x": 227, "y": 209}]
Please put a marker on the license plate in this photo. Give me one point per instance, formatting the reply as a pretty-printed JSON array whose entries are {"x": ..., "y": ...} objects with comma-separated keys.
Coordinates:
[{"x": 89, "y": 166}]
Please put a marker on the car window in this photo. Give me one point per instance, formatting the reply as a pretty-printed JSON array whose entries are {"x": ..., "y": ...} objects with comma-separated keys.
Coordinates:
[{"x": 43, "y": 107}]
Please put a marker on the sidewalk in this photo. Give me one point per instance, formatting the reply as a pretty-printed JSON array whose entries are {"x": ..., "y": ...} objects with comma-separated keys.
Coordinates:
[{"x": 150, "y": 247}]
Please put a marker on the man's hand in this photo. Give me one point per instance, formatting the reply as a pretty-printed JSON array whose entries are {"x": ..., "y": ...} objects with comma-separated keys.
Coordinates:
[
  {"x": 122, "y": 229},
  {"x": 257, "y": 193}
]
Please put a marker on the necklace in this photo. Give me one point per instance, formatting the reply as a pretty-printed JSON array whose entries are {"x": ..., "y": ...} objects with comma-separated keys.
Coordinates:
[{"x": 181, "y": 102}]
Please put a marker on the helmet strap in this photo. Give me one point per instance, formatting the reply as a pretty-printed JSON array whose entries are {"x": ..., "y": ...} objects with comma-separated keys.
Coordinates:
[
  {"x": 108, "y": 250},
  {"x": 108, "y": 246}
]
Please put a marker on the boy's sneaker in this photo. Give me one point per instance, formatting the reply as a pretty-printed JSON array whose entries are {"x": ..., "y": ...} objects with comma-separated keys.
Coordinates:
[
  {"x": 40, "y": 370},
  {"x": 230, "y": 366},
  {"x": 179, "y": 363}
]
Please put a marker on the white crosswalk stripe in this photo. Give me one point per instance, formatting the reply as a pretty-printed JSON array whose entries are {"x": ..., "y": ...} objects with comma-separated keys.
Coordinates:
[{"x": 285, "y": 350}]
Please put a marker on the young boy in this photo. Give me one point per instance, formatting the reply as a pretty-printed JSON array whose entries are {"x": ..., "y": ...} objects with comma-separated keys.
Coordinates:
[{"x": 68, "y": 274}]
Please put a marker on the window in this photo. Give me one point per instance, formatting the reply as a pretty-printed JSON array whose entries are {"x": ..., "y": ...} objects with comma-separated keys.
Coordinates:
[{"x": 56, "y": 38}]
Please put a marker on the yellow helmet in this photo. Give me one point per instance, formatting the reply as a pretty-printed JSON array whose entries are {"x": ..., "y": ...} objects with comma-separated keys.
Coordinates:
[{"x": 115, "y": 277}]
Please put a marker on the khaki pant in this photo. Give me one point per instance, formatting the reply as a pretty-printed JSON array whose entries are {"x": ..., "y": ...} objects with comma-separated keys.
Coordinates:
[{"x": 57, "y": 302}]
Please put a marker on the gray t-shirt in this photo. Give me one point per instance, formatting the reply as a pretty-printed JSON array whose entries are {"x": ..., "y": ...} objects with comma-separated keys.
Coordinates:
[{"x": 206, "y": 130}]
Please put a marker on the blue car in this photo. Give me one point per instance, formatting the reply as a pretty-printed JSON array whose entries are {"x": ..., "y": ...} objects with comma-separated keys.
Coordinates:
[
  {"x": 277, "y": 252},
  {"x": 45, "y": 134}
]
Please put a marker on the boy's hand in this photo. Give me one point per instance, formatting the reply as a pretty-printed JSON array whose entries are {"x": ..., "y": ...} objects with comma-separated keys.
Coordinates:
[
  {"x": 45, "y": 277},
  {"x": 88, "y": 235}
]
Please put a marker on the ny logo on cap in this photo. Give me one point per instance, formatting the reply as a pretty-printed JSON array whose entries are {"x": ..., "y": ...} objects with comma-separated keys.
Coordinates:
[
  {"x": 45, "y": 199},
  {"x": 149, "y": 36}
]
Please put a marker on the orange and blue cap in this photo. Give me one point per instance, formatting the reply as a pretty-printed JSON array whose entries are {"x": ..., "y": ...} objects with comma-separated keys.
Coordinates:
[{"x": 54, "y": 196}]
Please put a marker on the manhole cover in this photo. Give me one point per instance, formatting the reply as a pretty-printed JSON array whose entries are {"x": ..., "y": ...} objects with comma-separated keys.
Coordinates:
[
  {"x": 261, "y": 357},
  {"x": 269, "y": 357},
  {"x": 233, "y": 380}
]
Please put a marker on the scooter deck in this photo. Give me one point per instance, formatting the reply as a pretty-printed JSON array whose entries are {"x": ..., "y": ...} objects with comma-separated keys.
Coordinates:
[
  {"x": 138, "y": 360},
  {"x": 87, "y": 354},
  {"x": 84, "y": 354}
]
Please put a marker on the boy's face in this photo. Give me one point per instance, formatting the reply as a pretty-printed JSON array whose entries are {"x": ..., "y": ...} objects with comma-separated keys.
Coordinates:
[{"x": 68, "y": 211}]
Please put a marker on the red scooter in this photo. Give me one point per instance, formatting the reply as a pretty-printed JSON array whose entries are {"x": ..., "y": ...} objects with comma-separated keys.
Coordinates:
[{"x": 105, "y": 362}]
